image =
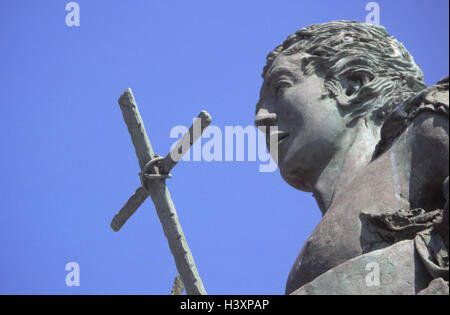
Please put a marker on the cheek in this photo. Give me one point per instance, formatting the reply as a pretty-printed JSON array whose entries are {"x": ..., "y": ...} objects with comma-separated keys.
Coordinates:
[
  {"x": 292, "y": 107},
  {"x": 328, "y": 112}
]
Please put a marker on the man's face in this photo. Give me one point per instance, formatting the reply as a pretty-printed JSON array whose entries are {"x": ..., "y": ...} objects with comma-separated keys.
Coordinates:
[{"x": 309, "y": 123}]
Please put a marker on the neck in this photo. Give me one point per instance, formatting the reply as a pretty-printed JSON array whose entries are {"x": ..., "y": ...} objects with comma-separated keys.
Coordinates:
[{"x": 355, "y": 151}]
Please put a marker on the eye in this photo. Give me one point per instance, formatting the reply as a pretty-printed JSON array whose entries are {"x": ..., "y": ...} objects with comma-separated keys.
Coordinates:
[{"x": 281, "y": 86}]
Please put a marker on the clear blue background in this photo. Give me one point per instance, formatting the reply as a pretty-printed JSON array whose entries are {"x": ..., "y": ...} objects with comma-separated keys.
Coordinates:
[{"x": 67, "y": 162}]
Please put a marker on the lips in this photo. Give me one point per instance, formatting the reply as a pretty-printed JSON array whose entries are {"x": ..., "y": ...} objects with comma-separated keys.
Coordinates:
[
  {"x": 282, "y": 136},
  {"x": 277, "y": 137}
]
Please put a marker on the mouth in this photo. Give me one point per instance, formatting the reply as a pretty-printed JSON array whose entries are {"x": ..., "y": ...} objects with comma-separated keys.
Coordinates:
[{"x": 277, "y": 137}]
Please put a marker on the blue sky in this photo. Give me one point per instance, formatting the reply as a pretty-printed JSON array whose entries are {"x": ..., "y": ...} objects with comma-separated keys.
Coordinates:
[{"x": 68, "y": 164}]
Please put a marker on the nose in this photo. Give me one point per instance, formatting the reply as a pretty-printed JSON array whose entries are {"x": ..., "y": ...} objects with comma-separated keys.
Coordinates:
[{"x": 264, "y": 118}]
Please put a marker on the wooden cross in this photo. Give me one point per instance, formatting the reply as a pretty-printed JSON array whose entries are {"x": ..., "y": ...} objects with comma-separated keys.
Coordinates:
[{"x": 154, "y": 171}]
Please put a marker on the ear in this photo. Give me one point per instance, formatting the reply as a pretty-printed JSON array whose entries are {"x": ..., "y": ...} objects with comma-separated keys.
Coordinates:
[
  {"x": 351, "y": 86},
  {"x": 347, "y": 89},
  {"x": 353, "y": 81}
]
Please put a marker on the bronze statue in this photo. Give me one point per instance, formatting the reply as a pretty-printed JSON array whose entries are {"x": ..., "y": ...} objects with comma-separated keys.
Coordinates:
[{"x": 358, "y": 127}]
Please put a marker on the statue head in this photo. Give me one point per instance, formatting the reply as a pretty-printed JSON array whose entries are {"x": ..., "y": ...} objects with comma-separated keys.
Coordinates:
[{"x": 322, "y": 83}]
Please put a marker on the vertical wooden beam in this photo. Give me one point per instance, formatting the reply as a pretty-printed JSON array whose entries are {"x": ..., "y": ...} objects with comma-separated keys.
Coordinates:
[{"x": 161, "y": 197}]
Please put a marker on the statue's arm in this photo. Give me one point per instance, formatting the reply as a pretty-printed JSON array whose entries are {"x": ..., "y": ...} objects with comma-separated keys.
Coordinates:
[
  {"x": 429, "y": 143},
  {"x": 428, "y": 140}
]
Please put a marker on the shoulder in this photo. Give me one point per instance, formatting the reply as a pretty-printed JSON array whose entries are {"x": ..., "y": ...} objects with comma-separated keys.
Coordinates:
[
  {"x": 429, "y": 116},
  {"x": 424, "y": 117},
  {"x": 428, "y": 122}
]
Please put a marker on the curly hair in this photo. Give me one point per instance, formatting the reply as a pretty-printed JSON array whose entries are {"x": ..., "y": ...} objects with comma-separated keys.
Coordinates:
[{"x": 365, "y": 69}]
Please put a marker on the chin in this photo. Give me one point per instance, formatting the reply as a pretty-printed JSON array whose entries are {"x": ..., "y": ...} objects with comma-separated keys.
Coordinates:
[{"x": 294, "y": 178}]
